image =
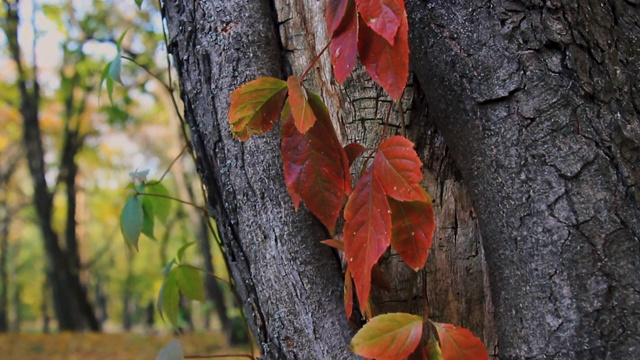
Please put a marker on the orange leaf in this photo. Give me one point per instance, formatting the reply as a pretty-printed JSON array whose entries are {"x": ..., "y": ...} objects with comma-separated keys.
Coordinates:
[
  {"x": 344, "y": 43},
  {"x": 336, "y": 244},
  {"x": 397, "y": 166},
  {"x": 255, "y": 106},
  {"x": 412, "y": 227},
  {"x": 311, "y": 171},
  {"x": 348, "y": 293},
  {"x": 388, "y": 336},
  {"x": 367, "y": 231},
  {"x": 300, "y": 109},
  {"x": 458, "y": 343},
  {"x": 388, "y": 65},
  {"x": 382, "y": 16}
]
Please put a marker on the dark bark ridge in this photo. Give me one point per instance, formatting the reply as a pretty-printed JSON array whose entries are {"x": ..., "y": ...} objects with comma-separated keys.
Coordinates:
[
  {"x": 539, "y": 102},
  {"x": 289, "y": 282}
]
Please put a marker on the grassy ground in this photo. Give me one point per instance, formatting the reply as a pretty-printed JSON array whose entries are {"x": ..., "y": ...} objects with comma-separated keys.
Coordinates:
[{"x": 121, "y": 346}]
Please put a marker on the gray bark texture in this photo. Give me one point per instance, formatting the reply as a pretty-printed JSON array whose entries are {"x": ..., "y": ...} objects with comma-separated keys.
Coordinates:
[
  {"x": 539, "y": 103},
  {"x": 290, "y": 283},
  {"x": 526, "y": 117}
]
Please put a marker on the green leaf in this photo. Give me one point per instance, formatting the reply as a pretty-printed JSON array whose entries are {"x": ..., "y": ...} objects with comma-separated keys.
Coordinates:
[
  {"x": 114, "y": 69},
  {"x": 167, "y": 268},
  {"x": 139, "y": 3},
  {"x": 388, "y": 336},
  {"x": 190, "y": 282},
  {"x": 131, "y": 221},
  {"x": 119, "y": 43},
  {"x": 433, "y": 349},
  {"x": 182, "y": 250},
  {"x": 173, "y": 350},
  {"x": 110, "y": 87},
  {"x": 169, "y": 299},
  {"x": 147, "y": 219},
  {"x": 161, "y": 205},
  {"x": 104, "y": 76}
]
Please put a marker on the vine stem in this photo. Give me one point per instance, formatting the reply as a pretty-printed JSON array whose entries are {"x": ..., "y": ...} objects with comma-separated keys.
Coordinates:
[{"x": 315, "y": 60}]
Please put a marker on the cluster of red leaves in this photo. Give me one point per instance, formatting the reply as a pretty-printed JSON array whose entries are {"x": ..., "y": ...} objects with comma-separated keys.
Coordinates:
[
  {"x": 387, "y": 207},
  {"x": 377, "y": 31}
]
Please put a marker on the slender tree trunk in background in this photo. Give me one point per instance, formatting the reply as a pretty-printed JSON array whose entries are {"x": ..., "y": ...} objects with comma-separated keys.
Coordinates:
[
  {"x": 17, "y": 307},
  {"x": 44, "y": 308},
  {"x": 525, "y": 114},
  {"x": 72, "y": 307},
  {"x": 10, "y": 160},
  {"x": 212, "y": 288}
]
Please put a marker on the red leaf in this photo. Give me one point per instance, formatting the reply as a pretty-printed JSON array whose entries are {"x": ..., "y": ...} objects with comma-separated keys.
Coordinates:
[
  {"x": 311, "y": 170},
  {"x": 388, "y": 336},
  {"x": 388, "y": 65},
  {"x": 354, "y": 151},
  {"x": 367, "y": 231},
  {"x": 348, "y": 294},
  {"x": 383, "y": 16},
  {"x": 335, "y": 13},
  {"x": 412, "y": 227},
  {"x": 299, "y": 101},
  {"x": 255, "y": 106},
  {"x": 344, "y": 43},
  {"x": 336, "y": 244},
  {"x": 458, "y": 343},
  {"x": 397, "y": 166}
]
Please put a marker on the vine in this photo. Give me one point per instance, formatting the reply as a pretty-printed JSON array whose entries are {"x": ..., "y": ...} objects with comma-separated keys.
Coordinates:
[{"x": 388, "y": 206}]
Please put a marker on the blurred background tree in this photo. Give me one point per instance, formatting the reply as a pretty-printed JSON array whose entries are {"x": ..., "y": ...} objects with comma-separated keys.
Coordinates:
[{"x": 66, "y": 149}]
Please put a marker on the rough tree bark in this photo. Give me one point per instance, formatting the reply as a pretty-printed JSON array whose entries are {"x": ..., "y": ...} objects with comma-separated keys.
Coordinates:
[
  {"x": 526, "y": 116},
  {"x": 539, "y": 103}
]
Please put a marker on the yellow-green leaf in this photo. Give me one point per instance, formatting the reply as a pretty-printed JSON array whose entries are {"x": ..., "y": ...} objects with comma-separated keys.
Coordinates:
[
  {"x": 388, "y": 336},
  {"x": 190, "y": 282},
  {"x": 169, "y": 299},
  {"x": 255, "y": 106}
]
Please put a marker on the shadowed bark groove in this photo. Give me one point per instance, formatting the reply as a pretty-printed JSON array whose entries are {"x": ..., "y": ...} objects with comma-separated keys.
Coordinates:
[{"x": 538, "y": 102}]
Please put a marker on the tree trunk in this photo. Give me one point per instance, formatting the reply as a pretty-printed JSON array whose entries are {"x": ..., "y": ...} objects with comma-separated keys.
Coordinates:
[
  {"x": 538, "y": 102},
  {"x": 291, "y": 284},
  {"x": 72, "y": 307},
  {"x": 11, "y": 160},
  {"x": 526, "y": 117}
]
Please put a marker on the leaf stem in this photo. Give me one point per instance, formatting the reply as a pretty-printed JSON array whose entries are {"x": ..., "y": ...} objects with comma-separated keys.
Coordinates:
[
  {"x": 208, "y": 273},
  {"x": 315, "y": 60},
  {"x": 184, "y": 148},
  {"x": 172, "y": 198}
]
